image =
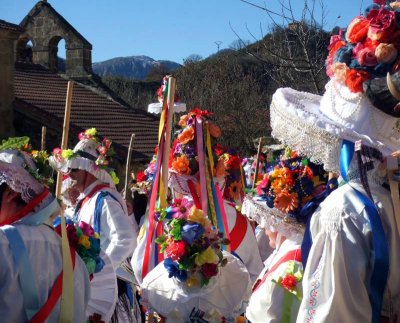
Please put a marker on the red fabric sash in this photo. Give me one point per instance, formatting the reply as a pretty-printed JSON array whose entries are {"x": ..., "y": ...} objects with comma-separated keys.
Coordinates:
[
  {"x": 291, "y": 255},
  {"x": 55, "y": 294},
  {"x": 239, "y": 231},
  {"x": 92, "y": 192}
]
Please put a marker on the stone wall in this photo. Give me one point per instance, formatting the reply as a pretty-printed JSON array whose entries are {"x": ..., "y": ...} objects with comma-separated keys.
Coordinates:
[{"x": 7, "y": 70}]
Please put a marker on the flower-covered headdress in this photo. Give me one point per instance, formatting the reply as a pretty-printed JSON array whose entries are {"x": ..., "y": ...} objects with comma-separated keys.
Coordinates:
[
  {"x": 229, "y": 167},
  {"x": 360, "y": 102},
  {"x": 91, "y": 154},
  {"x": 362, "y": 57},
  {"x": 191, "y": 244},
  {"x": 17, "y": 170},
  {"x": 184, "y": 158},
  {"x": 284, "y": 191},
  {"x": 162, "y": 93}
]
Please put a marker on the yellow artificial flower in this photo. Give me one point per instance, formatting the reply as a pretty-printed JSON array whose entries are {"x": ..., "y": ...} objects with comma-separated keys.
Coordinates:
[
  {"x": 198, "y": 216},
  {"x": 91, "y": 132},
  {"x": 207, "y": 256},
  {"x": 67, "y": 153},
  {"x": 84, "y": 241},
  {"x": 114, "y": 177}
]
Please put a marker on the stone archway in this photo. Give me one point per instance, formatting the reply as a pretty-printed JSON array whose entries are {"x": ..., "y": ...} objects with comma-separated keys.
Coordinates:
[
  {"x": 47, "y": 27},
  {"x": 23, "y": 49}
]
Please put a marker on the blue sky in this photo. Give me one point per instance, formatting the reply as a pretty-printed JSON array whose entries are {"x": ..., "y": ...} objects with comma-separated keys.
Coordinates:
[{"x": 170, "y": 30}]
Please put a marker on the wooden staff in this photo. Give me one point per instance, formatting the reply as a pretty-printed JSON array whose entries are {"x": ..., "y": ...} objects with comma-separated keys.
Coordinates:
[
  {"x": 128, "y": 163},
  {"x": 67, "y": 296},
  {"x": 65, "y": 134},
  {"x": 257, "y": 161},
  {"x": 43, "y": 142},
  {"x": 165, "y": 162}
]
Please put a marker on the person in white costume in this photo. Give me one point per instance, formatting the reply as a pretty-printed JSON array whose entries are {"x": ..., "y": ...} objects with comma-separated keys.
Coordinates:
[
  {"x": 101, "y": 206},
  {"x": 277, "y": 292},
  {"x": 30, "y": 250},
  {"x": 244, "y": 244},
  {"x": 352, "y": 268}
]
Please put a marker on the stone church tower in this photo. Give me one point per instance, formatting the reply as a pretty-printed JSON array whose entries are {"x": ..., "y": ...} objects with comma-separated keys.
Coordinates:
[{"x": 44, "y": 28}]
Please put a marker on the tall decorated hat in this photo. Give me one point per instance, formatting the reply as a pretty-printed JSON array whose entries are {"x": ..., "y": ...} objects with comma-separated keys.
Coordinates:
[
  {"x": 283, "y": 197},
  {"x": 162, "y": 93},
  {"x": 196, "y": 279},
  {"x": 91, "y": 154},
  {"x": 361, "y": 101}
]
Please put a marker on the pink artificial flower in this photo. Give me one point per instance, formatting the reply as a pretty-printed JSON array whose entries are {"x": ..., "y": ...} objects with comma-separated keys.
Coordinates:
[
  {"x": 382, "y": 25},
  {"x": 366, "y": 57}
]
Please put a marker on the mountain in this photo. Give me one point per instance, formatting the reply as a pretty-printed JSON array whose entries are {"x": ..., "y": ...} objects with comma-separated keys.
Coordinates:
[{"x": 132, "y": 67}]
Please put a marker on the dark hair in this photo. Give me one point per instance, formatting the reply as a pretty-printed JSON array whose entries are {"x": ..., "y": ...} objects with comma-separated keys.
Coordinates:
[
  {"x": 19, "y": 200},
  {"x": 139, "y": 205}
]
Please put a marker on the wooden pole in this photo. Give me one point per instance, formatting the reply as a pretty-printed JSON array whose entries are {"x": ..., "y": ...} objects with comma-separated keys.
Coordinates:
[
  {"x": 128, "y": 163},
  {"x": 65, "y": 134},
  {"x": 67, "y": 295},
  {"x": 43, "y": 142},
  {"x": 165, "y": 162},
  {"x": 257, "y": 161}
]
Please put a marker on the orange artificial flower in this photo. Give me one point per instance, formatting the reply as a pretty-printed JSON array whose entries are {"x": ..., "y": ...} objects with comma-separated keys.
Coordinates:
[
  {"x": 357, "y": 30},
  {"x": 214, "y": 130},
  {"x": 181, "y": 165},
  {"x": 183, "y": 120},
  {"x": 286, "y": 201},
  {"x": 355, "y": 80},
  {"x": 186, "y": 135}
]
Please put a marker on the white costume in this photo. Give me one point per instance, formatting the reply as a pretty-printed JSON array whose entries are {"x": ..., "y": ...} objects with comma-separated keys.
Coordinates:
[
  {"x": 339, "y": 270},
  {"x": 117, "y": 234},
  {"x": 31, "y": 252},
  {"x": 102, "y": 207},
  {"x": 267, "y": 300},
  {"x": 224, "y": 296},
  {"x": 247, "y": 250},
  {"x": 337, "y": 267},
  {"x": 44, "y": 249}
]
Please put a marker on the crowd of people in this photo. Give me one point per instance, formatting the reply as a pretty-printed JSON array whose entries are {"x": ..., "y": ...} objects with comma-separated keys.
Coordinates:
[{"x": 315, "y": 239}]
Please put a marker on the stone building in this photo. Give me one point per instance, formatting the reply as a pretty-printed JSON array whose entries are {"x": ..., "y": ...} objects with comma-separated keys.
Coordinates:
[{"x": 35, "y": 90}]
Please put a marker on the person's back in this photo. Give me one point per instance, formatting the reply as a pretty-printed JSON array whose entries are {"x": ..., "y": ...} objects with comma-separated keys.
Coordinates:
[{"x": 43, "y": 247}]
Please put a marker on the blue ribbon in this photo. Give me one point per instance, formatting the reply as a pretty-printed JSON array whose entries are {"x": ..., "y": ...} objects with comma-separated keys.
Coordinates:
[
  {"x": 98, "y": 209},
  {"x": 22, "y": 263},
  {"x": 306, "y": 212},
  {"x": 380, "y": 253}
]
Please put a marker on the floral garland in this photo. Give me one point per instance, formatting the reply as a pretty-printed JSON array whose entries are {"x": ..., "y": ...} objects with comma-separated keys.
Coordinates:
[
  {"x": 192, "y": 246},
  {"x": 229, "y": 165},
  {"x": 291, "y": 183},
  {"x": 43, "y": 172},
  {"x": 291, "y": 279},
  {"x": 85, "y": 241},
  {"x": 183, "y": 153},
  {"x": 106, "y": 152},
  {"x": 369, "y": 48}
]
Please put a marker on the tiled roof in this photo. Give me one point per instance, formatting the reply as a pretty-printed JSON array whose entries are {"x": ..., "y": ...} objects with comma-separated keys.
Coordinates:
[
  {"x": 9, "y": 26},
  {"x": 43, "y": 93}
]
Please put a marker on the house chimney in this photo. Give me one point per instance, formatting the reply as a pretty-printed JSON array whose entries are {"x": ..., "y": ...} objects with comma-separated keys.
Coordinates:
[{"x": 9, "y": 33}]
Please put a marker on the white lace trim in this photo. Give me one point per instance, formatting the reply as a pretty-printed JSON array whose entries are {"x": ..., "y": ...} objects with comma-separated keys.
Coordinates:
[
  {"x": 19, "y": 180},
  {"x": 267, "y": 217},
  {"x": 90, "y": 167},
  {"x": 319, "y": 145}
]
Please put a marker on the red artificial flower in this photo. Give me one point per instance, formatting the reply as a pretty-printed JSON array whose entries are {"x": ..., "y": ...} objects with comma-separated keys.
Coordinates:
[
  {"x": 357, "y": 30},
  {"x": 234, "y": 162},
  {"x": 355, "y": 80},
  {"x": 201, "y": 113},
  {"x": 382, "y": 25},
  {"x": 176, "y": 250},
  {"x": 141, "y": 176},
  {"x": 219, "y": 150},
  {"x": 380, "y": 2},
  {"x": 209, "y": 270},
  {"x": 289, "y": 282}
]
